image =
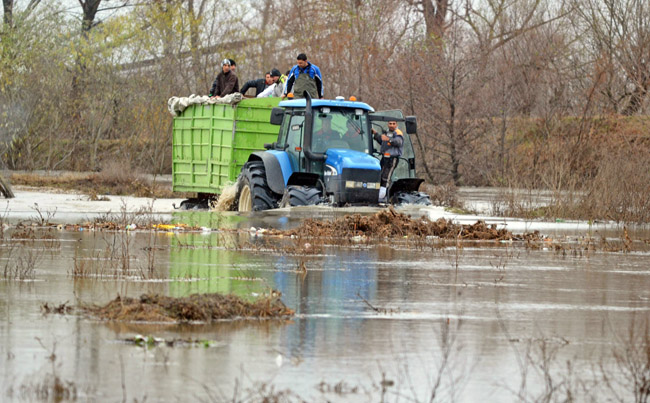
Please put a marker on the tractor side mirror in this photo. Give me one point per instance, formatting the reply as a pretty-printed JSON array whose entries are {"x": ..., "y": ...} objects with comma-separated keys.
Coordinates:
[
  {"x": 411, "y": 125},
  {"x": 276, "y": 116}
]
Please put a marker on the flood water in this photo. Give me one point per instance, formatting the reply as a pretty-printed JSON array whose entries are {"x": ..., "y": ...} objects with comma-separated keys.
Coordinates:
[{"x": 395, "y": 321}]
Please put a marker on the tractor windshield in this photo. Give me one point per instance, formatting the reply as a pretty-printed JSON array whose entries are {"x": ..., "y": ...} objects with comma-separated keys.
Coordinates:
[{"x": 340, "y": 128}]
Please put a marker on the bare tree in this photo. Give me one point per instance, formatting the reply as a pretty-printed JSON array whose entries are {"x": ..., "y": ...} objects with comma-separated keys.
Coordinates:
[{"x": 618, "y": 41}]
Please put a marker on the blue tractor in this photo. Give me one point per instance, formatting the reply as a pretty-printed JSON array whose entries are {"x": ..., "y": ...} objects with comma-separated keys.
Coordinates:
[{"x": 325, "y": 153}]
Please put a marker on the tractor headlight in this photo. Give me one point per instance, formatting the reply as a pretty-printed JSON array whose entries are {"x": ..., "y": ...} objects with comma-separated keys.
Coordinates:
[{"x": 330, "y": 171}]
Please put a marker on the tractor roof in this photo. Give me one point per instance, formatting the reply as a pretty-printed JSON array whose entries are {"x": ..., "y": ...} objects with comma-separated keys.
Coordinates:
[{"x": 300, "y": 103}]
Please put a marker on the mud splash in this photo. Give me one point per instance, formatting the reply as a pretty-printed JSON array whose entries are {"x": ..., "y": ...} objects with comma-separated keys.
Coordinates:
[
  {"x": 391, "y": 224},
  {"x": 226, "y": 199},
  {"x": 196, "y": 307}
]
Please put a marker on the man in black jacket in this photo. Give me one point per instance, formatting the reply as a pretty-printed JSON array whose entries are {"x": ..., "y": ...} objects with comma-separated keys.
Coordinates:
[
  {"x": 225, "y": 83},
  {"x": 260, "y": 84}
]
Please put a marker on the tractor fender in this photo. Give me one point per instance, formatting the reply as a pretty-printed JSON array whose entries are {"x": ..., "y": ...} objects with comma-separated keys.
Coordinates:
[
  {"x": 277, "y": 166},
  {"x": 405, "y": 185}
]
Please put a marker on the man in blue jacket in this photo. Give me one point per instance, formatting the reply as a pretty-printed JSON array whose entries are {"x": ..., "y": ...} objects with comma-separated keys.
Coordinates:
[{"x": 304, "y": 76}]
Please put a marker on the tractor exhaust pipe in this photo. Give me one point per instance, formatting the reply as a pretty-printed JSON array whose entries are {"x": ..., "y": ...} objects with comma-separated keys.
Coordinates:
[{"x": 309, "y": 119}]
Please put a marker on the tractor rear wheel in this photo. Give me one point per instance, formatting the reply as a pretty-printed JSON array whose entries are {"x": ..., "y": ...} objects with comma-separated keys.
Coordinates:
[
  {"x": 419, "y": 198},
  {"x": 254, "y": 193},
  {"x": 300, "y": 196}
]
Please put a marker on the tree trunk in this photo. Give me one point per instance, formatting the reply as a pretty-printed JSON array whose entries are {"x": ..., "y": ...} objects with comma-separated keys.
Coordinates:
[
  {"x": 435, "y": 13},
  {"x": 90, "y": 8},
  {"x": 636, "y": 100},
  {"x": 8, "y": 12}
]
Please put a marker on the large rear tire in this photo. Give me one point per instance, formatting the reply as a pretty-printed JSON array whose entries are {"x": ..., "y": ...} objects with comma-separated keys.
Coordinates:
[
  {"x": 300, "y": 196},
  {"x": 254, "y": 193},
  {"x": 419, "y": 198}
]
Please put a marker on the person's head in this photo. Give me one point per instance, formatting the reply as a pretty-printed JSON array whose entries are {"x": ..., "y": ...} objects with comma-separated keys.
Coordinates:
[
  {"x": 392, "y": 125},
  {"x": 327, "y": 123},
  {"x": 302, "y": 60},
  {"x": 225, "y": 65},
  {"x": 275, "y": 75},
  {"x": 233, "y": 65},
  {"x": 268, "y": 79}
]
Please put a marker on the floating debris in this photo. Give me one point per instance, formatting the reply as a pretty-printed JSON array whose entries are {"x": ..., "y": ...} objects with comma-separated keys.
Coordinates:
[
  {"x": 153, "y": 341},
  {"x": 391, "y": 224},
  {"x": 196, "y": 307}
]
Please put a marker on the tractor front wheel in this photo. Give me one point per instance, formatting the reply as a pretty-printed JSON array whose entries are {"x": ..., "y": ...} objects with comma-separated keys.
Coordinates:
[{"x": 300, "y": 196}]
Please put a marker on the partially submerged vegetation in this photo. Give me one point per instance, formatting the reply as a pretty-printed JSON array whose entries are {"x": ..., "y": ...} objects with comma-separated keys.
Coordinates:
[
  {"x": 390, "y": 223},
  {"x": 196, "y": 307}
]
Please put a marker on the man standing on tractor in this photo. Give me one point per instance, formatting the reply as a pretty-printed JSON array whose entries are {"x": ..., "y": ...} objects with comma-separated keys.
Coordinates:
[
  {"x": 304, "y": 76},
  {"x": 225, "y": 83},
  {"x": 392, "y": 144}
]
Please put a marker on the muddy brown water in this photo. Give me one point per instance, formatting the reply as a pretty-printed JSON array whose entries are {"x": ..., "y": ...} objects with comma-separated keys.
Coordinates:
[{"x": 388, "y": 322}]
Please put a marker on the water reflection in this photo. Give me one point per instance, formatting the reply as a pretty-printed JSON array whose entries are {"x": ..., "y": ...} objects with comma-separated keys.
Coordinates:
[{"x": 361, "y": 311}]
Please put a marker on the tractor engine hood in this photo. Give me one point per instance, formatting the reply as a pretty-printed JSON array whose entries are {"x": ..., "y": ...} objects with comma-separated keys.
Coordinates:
[{"x": 341, "y": 158}]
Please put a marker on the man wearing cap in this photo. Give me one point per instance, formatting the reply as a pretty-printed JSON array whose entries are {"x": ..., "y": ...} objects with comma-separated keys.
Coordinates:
[
  {"x": 304, "y": 76},
  {"x": 392, "y": 144},
  {"x": 275, "y": 89},
  {"x": 279, "y": 79},
  {"x": 260, "y": 84},
  {"x": 225, "y": 83}
]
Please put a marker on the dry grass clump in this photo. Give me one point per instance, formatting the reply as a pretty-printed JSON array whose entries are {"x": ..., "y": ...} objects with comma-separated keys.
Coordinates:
[
  {"x": 196, "y": 307},
  {"x": 391, "y": 224}
]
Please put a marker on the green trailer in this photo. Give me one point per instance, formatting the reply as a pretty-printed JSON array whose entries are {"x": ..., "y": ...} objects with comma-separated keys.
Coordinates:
[{"x": 211, "y": 143}]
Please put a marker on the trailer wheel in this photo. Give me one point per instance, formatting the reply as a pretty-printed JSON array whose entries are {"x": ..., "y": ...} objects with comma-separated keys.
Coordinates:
[
  {"x": 300, "y": 196},
  {"x": 254, "y": 193},
  {"x": 419, "y": 198}
]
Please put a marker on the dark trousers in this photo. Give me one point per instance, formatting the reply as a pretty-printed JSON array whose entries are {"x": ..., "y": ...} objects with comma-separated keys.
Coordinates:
[{"x": 388, "y": 165}]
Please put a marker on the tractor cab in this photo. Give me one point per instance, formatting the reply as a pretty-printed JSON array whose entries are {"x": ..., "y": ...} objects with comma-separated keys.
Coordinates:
[
  {"x": 334, "y": 124},
  {"x": 329, "y": 147}
]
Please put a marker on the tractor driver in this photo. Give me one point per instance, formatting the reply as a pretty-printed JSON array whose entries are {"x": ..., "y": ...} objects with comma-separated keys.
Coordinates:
[
  {"x": 392, "y": 144},
  {"x": 326, "y": 135}
]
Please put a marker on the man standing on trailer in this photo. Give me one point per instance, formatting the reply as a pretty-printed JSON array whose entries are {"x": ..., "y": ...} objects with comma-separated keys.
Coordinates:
[{"x": 225, "y": 83}]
